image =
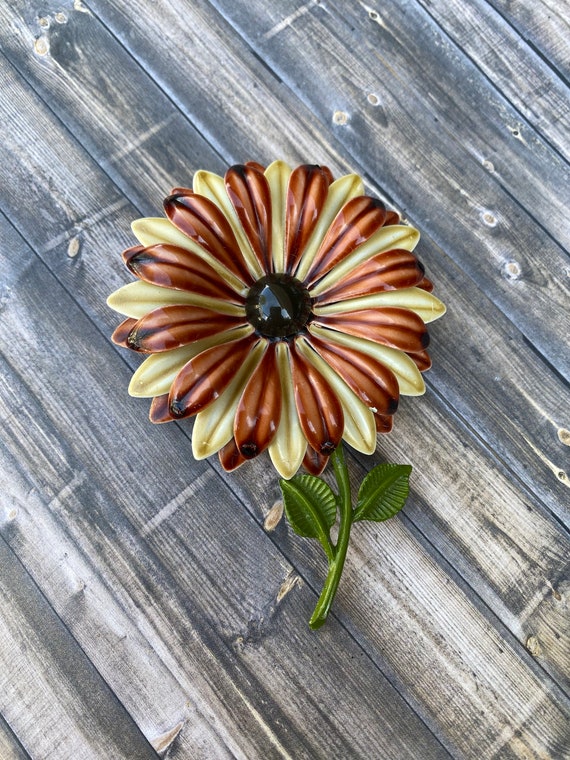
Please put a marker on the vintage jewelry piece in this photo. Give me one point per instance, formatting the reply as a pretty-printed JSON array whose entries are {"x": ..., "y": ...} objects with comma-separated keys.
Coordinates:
[{"x": 284, "y": 311}]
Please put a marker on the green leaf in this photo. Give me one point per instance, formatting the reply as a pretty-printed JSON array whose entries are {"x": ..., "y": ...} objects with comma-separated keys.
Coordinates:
[
  {"x": 383, "y": 492},
  {"x": 310, "y": 506}
]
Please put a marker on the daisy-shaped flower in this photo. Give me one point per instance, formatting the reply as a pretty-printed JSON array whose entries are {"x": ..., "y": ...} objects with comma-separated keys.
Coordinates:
[{"x": 283, "y": 310}]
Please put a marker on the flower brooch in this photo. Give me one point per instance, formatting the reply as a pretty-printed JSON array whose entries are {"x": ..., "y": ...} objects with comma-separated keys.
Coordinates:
[{"x": 285, "y": 311}]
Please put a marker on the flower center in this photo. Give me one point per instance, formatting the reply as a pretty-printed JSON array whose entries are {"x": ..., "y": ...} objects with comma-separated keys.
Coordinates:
[{"x": 278, "y": 306}]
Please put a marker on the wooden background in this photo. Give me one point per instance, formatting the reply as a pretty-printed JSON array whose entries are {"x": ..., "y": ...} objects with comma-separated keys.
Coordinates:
[{"x": 146, "y": 608}]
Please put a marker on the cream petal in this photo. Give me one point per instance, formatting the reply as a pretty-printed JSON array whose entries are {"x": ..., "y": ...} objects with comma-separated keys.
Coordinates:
[
  {"x": 277, "y": 175},
  {"x": 359, "y": 424},
  {"x": 213, "y": 186},
  {"x": 289, "y": 445},
  {"x": 138, "y": 298},
  {"x": 424, "y": 304},
  {"x": 387, "y": 238},
  {"x": 152, "y": 230},
  {"x": 214, "y": 426},
  {"x": 410, "y": 381},
  {"x": 156, "y": 374},
  {"x": 340, "y": 192}
]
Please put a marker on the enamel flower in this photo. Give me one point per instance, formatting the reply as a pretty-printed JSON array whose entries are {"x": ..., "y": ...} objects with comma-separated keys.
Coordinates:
[{"x": 283, "y": 310}]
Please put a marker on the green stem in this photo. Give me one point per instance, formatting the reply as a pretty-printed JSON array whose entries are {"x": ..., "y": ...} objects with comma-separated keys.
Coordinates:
[{"x": 337, "y": 563}]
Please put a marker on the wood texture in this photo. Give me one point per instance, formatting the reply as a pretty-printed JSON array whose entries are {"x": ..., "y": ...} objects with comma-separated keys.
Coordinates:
[{"x": 144, "y": 608}]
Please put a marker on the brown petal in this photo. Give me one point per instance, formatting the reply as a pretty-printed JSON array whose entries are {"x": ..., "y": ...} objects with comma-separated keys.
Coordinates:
[
  {"x": 174, "y": 326},
  {"x": 248, "y": 190},
  {"x": 320, "y": 411},
  {"x": 306, "y": 194},
  {"x": 357, "y": 220},
  {"x": 373, "y": 383},
  {"x": 422, "y": 360},
  {"x": 383, "y": 423},
  {"x": 392, "y": 217},
  {"x": 122, "y": 332},
  {"x": 259, "y": 410},
  {"x": 425, "y": 284},
  {"x": 255, "y": 165},
  {"x": 397, "y": 328},
  {"x": 178, "y": 268},
  {"x": 385, "y": 271},
  {"x": 202, "y": 221},
  {"x": 314, "y": 462},
  {"x": 160, "y": 409},
  {"x": 230, "y": 456},
  {"x": 205, "y": 377}
]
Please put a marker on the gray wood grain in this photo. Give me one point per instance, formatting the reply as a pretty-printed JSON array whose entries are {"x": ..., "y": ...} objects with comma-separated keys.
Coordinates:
[
  {"x": 450, "y": 633},
  {"x": 10, "y": 747}
]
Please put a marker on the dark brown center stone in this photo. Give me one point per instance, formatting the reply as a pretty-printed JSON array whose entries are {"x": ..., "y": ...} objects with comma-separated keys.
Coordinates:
[{"x": 278, "y": 306}]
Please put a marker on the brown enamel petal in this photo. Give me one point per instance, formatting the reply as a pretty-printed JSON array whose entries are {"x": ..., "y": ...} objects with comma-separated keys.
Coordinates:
[
  {"x": 392, "y": 217},
  {"x": 259, "y": 410},
  {"x": 320, "y": 412},
  {"x": 248, "y": 190},
  {"x": 122, "y": 332},
  {"x": 178, "y": 268},
  {"x": 181, "y": 191},
  {"x": 422, "y": 360},
  {"x": 174, "y": 326},
  {"x": 160, "y": 409},
  {"x": 425, "y": 284},
  {"x": 383, "y": 423},
  {"x": 255, "y": 165},
  {"x": 390, "y": 270},
  {"x": 205, "y": 377},
  {"x": 374, "y": 384},
  {"x": 230, "y": 456},
  {"x": 357, "y": 220},
  {"x": 202, "y": 221},
  {"x": 397, "y": 328},
  {"x": 306, "y": 194},
  {"x": 314, "y": 462}
]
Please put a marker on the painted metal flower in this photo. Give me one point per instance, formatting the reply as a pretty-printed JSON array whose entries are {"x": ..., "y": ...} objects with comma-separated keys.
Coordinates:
[{"x": 284, "y": 310}]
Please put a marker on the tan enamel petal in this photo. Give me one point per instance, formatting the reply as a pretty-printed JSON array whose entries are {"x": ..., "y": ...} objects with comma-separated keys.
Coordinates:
[
  {"x": 174, "y": 326},
  {"x": 306, "y": 195},
  {"x": 153, "y": 230},
  {"x": 339, "y": 193},
  {"x": 259, "y": 410},
  {"x": 205, "y": 376},
  {"x": 156, "y": 374},
  {"x": 289, "y": 445},
  {"x": 213, "y": 187},
  {"x": 386, "y": 271},
  {"x": 319, "y": 409},
  {"x": 359, "y": 427},
  {"x": 214, "y": 426},
  {"x": 169, "y": 266},
  {"x": 354, "y": 224},
  {"x": 398, "y": 328},
  {"x": 410, "y": 381},
  {"x": 277, "y": 175},
  {"x": 421, "y": 302},
  {"x": 249, "y": 193},
  {"x": 374, "y": 384},
  {"x": 387, "y": 238},
  {"x": 138, "y": 298}
]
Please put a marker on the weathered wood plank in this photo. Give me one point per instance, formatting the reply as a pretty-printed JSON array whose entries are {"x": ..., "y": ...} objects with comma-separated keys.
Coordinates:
[
  {"x": 515, "y": 69},
  {"x": 545, "y": 24},
  {"x": 10, "y": 747},
  {"x": 165, "y": 596},
  {"x": 477, "y": 187},
  {"x": 49, "y": 689}
]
